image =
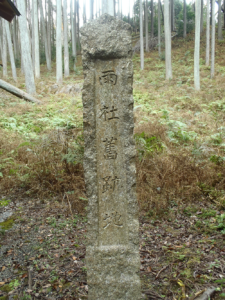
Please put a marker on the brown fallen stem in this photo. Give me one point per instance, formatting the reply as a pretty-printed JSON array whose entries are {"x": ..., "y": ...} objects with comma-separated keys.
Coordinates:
[
  {"x": 17, "y": 92},
  {"x": 164, "y": 268}
]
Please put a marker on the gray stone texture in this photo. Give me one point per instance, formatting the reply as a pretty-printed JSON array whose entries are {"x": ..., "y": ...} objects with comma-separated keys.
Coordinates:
[{"x": 112, "y": 257}]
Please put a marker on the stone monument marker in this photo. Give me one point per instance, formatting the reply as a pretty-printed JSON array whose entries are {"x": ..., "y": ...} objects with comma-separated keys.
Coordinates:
[{"x": 112, "y": 257}]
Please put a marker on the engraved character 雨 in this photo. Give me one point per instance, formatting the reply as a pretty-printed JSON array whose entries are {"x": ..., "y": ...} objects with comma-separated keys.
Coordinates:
[{"x": 108, "y": 77}]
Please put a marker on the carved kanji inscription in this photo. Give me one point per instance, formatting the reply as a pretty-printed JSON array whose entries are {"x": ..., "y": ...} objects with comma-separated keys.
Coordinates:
[
  {"x": 108, "y": 114},
  {"x": 108, "y": 77},
  {"x": 112, "y": 218},
  {"x": 110, "y": 148}
]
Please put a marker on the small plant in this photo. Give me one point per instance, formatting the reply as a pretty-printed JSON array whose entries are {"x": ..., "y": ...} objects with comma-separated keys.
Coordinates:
[
  {"x": 218, "y": 160},
  {"x": 14, "y": 283},
  {"x": 147, "y": 145}
]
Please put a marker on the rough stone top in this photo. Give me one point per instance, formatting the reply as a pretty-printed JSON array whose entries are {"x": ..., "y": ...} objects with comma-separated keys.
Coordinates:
[{"x": 106, "y": 37}]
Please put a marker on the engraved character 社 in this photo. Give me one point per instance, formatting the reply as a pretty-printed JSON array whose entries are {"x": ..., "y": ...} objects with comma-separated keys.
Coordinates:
[
  {"x": 106, "y": 110},
  {"x": 110, "y": 151},
  {"x": 108, "y": 77}
]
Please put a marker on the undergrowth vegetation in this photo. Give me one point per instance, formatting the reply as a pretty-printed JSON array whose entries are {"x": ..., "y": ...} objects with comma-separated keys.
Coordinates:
[{"x": 179, "y": 134}]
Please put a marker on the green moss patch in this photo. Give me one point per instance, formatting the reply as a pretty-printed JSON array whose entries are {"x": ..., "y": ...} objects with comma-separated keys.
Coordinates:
[
  {"x": 6, "y": 225},
  {"x": 4, "y": 202}
]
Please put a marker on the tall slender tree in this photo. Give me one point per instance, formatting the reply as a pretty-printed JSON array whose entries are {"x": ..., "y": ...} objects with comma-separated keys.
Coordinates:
[
  {"x": 4, "y": 50},
  {"x": 91, "y": 9},
  {"x": 146, "y": 26},
  {"x": 185, "y": 20},
  {"x": 152, "y": 19},
  {"x": 108, "y": 7},
  {"x": 220, "y": 35},
  {"x": 201, "y": 25},
  {"x": 36, "y": 40},
  {"x": 10, "y": 47},
  {"x": 47, "y": 51},
  {"x": 49, "y": 26},
  {"x": 207, "y": 33},
  {"x": 213, "y": 40},
  {"x": 84, "y": 11},
  {"x": 73, "y": 38},
  {"x": 197, "y": 44},
  {"x": 172, "y": 14},
  {"x": 59, "y": 41},
  {"x": 141, "y": 35},
  {"x": 65, "y": 31},
  {"x": 167, "y": 29},
  {"x": 159, "y": 29},
  {"x": 25, "y": 49}
]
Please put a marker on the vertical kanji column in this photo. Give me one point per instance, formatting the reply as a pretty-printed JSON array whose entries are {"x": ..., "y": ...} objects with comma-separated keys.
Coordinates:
[{"x": 112, "y": 257}]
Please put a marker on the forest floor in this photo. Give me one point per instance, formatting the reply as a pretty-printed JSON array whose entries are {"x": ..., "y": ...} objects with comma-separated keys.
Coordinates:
[{"x": 180, "y": 139}]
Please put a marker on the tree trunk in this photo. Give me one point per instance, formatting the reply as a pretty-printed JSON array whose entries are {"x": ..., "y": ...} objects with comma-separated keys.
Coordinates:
[
  {"x": 17, "y": 92},
  {"x": 224, "y": 14},
  {"x": 50, "y": 17},
  {"x": 220, "y": 36},
  {"x": 59, "y": 42},
  {"x": 108, "y": 7},
  {"x": 91, "y": 9},
  {"x": 167, "y": 30},
  {"x": 159, "y": 29},
  {"x": 152, "y": 19},
  {"x": 11, "y": 55},
  {"x": 14, "y": 38},
  {"x": 141, "y": 36},
  {"x": 84, "y": 11},
  {"x": 48, "y": 61},
  {"x": 4, "y": 50},
  {"x": 213, "y": 40},
  {"x": 25, "y": 49},
  {"x": 36, "y": 41},
  {"x": 185, "y": 20},
  {"x": 207, "y": 33},
  {"x": 197, "y": 44},
  {"x": 201, "y": 26},
  {"x": 66, "y": 50},
  {"x": 172, "y": 14},
  {"x": 78, "y": 24},
  {"x": 72, "y": 34},
  {"x": 146, "y": 26}
]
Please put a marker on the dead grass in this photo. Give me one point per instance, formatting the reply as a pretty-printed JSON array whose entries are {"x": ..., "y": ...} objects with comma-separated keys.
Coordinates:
[{"x": 183, "y": 162}]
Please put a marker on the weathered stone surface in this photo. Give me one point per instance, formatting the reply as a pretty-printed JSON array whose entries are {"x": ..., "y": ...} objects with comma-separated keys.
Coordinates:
[{"x": 112, "y": 257}]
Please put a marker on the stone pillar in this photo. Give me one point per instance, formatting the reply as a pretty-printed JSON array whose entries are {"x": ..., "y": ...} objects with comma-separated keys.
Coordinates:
[{"x": 112, "y": 257}]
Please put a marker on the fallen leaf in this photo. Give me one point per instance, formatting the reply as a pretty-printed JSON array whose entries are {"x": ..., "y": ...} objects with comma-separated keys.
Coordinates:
[
  {"x": 2, "y": 283},
  {"x": 74, "y": 258},
  {"x": 3, "y": 268}
]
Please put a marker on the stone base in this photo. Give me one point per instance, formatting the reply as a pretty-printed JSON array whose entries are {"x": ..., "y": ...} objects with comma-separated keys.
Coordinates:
[{"x": 113, "y": 273}]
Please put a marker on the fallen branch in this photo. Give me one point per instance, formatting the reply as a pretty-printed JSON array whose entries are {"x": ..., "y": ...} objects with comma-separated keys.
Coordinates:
[{"x": 17, "y": 92}]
